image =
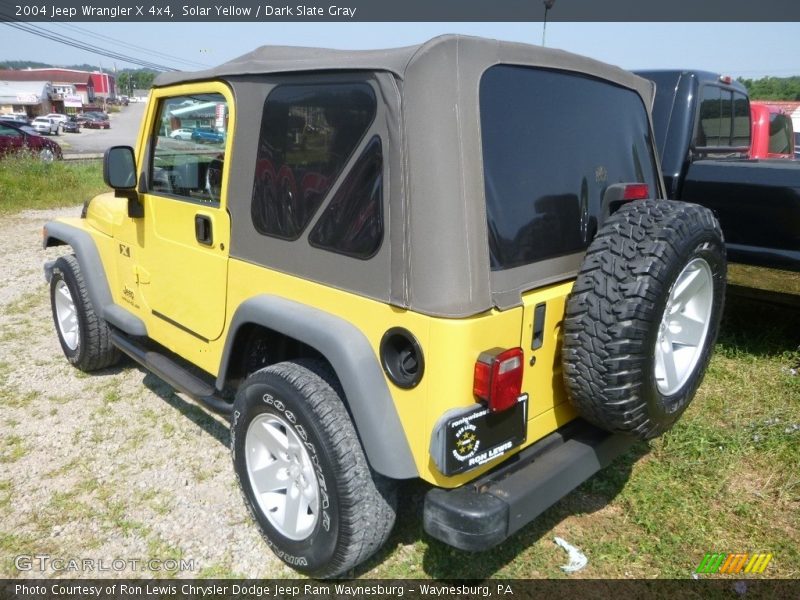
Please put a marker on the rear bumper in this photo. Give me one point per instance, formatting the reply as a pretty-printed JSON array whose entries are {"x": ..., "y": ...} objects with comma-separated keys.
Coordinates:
[{"x": 486, "y": 511}]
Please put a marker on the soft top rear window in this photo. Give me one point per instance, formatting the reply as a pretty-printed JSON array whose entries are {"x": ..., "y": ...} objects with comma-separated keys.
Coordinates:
[{"x": 553, "y": 142}]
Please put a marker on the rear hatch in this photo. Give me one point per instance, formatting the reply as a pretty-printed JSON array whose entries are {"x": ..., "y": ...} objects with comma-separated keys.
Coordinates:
[{"x": 556, "y": 148}]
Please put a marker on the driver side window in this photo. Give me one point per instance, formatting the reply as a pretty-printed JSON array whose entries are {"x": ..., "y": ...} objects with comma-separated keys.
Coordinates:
[{"x": 189, "y": 148}]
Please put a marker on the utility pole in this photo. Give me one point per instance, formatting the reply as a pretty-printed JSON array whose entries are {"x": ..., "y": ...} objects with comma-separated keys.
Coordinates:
[{"x": 548, "y": 4}]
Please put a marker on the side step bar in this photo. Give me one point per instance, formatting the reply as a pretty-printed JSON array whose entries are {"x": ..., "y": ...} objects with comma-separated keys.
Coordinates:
[
  {"x": 174, "y": 374},
  {"x": 485, "y": 511}
]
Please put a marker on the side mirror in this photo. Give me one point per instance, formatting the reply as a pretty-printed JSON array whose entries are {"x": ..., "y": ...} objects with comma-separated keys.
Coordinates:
[
  {"x": 119, "y": 172},
  {"x": 119, "y": 168}
]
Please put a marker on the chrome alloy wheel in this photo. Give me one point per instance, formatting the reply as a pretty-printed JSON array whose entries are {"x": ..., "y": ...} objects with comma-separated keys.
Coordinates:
[
  {"x": 684, "y": 326},
  {"x": 67, "y": 315},
  {"x": 282, "y": 476}
]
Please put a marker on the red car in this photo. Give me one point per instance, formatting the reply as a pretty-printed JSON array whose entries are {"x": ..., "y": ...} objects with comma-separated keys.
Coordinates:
[
  {"x": 771, "y": 132},
  {"x": 18, "y": 139},
  {"x": 94, "y": 122}
]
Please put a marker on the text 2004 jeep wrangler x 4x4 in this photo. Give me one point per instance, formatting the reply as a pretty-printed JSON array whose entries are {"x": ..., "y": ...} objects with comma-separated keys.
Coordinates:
[{"x": 423, "y": 262}]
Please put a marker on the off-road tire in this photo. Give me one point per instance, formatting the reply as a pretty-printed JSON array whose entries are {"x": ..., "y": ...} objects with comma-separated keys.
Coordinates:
[
  {"x": 94, "y": 349},
  {"x": 361, "y": 504},
  {"x": 616, "y": 307}
]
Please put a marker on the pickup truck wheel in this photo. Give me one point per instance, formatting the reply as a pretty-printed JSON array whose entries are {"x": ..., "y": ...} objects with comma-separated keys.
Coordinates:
[
  {"x": 85, "y": 337},
  {"x": 303, "y": 473},
  {"x": 643, "y": 316}
]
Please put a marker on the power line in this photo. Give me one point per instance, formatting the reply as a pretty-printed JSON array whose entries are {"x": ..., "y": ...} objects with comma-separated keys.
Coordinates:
[
  {"x": 139, "y": 49},
  {"x": 88, "y": 48},
  {"x": 43, "y": 33}
]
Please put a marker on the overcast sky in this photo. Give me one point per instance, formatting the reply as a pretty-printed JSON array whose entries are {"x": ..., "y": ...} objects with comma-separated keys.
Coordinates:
[{"x": 738, "y": 49}]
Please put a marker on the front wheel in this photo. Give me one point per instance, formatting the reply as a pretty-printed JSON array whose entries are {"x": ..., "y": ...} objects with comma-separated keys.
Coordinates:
[
  {"x": 85, "y": 337},
  {"x": 303, "y": 473},
  {"x": 46, "y": 155}
]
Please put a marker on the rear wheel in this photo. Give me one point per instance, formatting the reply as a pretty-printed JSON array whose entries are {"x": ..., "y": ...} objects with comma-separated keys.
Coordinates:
[
  {"x": 643, "y": 316},
  {"x": 303, "y": 473}
]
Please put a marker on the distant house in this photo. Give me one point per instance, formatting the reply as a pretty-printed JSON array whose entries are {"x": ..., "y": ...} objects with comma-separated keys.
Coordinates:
[
  {"x": 105, "y": 85},
  {"x": 75, "y": 83},
  {"x": 30, "y": 97}
]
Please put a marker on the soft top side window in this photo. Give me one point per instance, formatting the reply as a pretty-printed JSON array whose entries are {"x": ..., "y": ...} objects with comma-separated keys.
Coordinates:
[
  {"x": 308, "y": 132},
  {"x": 352, "y": 223}
]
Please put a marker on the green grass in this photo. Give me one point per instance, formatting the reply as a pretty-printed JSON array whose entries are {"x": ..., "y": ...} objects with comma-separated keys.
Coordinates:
[{"x": 28, "y": 183}]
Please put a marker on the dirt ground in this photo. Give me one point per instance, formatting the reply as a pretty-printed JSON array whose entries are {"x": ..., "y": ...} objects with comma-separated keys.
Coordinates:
[{"x": 106, "y": 466}]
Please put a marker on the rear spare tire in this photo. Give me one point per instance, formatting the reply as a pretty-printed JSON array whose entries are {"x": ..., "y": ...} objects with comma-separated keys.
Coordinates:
[{"x": 643, "y": 316}]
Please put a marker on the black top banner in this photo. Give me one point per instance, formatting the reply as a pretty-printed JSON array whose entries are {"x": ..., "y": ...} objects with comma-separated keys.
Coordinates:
[{"x": 399, "y": 10}]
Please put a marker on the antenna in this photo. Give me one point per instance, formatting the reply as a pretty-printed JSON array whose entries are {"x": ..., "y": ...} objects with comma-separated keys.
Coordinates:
[{"x": 548, "y": 4}]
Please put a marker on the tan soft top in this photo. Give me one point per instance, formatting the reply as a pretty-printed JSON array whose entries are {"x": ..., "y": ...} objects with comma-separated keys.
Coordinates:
[
  {"x": 436, "y": 260},
  {"x": 285, "y": 59}
]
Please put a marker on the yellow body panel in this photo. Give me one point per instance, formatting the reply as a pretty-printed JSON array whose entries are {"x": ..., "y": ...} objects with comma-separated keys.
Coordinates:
[
  {"x": 450, "y": 347},
  {"x": 165, "y": 276},
  {"x": 155, "y": 263}
]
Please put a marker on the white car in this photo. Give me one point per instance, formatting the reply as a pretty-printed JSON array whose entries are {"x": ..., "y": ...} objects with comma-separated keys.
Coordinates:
[
  {"x": 58, "y": 118},
  {"x": 181, "y": 134},
  {"x": 45, "y": 125}
]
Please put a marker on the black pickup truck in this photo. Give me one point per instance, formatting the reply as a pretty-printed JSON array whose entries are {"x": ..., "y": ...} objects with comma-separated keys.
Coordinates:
[{"x": 702, "y": 130}]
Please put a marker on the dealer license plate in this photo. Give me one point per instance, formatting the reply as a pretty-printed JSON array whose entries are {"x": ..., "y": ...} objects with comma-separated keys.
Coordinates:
[{"x": 475, "y": 437}]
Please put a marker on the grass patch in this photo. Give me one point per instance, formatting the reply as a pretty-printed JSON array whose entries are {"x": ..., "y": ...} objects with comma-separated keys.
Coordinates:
[
  {"x": 25, "y": 303},
  {"x": 5, "y": 494},
  {"x": 12, "y": 448},
  {"x": 28, "y": 183},
  {"x": 15, "y": 399}
]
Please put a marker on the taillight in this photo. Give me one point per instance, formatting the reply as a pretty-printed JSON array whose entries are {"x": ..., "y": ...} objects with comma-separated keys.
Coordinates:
[
  {"x": 498, "y": 378},
  {"x": 636, "y": 191}
]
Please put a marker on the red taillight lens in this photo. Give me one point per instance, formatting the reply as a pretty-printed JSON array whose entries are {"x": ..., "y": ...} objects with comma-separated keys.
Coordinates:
[
  {"x": 636, "y": 191},
  {"x": 498, "y": 378}
]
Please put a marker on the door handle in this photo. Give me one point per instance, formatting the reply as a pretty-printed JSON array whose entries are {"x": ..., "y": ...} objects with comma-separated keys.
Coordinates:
[{"x": 202, "y": 230}]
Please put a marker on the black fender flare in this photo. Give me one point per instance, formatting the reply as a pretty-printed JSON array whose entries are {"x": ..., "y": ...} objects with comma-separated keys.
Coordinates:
[
  {"x": 56, "y": 233},
  {"x": 352, "y": 358}
]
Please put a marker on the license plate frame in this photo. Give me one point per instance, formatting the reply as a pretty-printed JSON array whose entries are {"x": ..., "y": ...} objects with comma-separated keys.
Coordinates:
[{"x": 477, "y": 436}]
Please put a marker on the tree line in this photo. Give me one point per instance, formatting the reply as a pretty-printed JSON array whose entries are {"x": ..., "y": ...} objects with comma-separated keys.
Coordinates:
[{"x": 773, "y": 88}]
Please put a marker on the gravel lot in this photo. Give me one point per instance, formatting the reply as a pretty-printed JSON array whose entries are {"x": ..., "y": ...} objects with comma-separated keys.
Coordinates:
[{"x": 107, "y": 466}]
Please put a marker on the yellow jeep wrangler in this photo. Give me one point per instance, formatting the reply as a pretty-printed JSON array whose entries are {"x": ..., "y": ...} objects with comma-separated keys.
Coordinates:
[{"x": 450, "y": 262}]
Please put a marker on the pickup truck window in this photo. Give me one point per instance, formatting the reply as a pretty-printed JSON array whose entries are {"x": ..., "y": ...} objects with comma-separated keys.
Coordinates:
[
  {"x": 780, "y": 134},
  {"x": 308, "y": 133},
  {"x": 189, "y": 148},
  {"x": 553, "y": 142},
  {"x": 723, "y": 119}
]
